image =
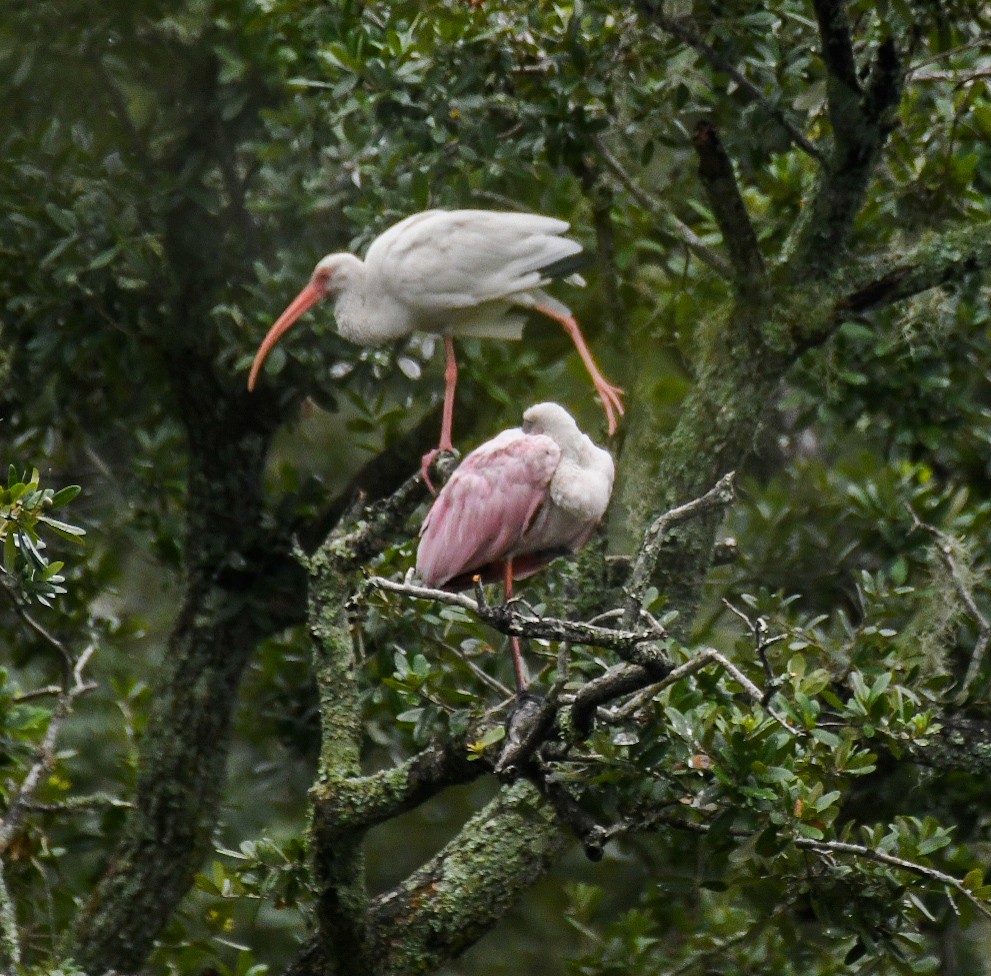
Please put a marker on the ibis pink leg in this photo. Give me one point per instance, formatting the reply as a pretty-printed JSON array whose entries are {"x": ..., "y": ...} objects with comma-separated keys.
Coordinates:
[
  {"x": 522, "y": 678},
  {"x": 611, "y": 396},
  {"x": 447, "y": 418}
]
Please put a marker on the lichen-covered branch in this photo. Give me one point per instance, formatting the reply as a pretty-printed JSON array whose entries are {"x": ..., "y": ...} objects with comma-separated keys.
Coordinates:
[
  {"x": 507, "y": 620},
  {"x": 457, "y": 896},
  {"x": 336, "y": 855},
  {"x": 10, "y": 944},
  {"x": 362, "y": 802},
  {"x": 937, "y": 260}
]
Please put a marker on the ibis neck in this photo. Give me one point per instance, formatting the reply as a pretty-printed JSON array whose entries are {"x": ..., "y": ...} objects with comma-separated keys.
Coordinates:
[{"x": 366, "y": 311}]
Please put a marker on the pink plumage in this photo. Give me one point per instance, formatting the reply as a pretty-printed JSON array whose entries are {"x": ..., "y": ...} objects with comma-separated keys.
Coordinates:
[{"x": 518, "y": 501}]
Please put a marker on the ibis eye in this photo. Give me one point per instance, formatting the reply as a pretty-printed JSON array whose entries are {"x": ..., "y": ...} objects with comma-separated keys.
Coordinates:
[{"x": 527, "y": 426}]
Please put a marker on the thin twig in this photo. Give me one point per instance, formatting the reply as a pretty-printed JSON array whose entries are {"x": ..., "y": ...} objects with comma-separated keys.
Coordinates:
[
  {"x": 73, "y": 803},
  {"x": 817, "y": 846},
  {"x": 44, "y": 757},
  {"x": 38, "y": 693},
  {"x": 960, "y": 77},
  {"x": 943, "y": 55},
  {"x": 47, "y": 636},
  {"x": 758, "y": 630},
  {"x": 494, "y": 683},
  {"x": 860, "y": 850}
]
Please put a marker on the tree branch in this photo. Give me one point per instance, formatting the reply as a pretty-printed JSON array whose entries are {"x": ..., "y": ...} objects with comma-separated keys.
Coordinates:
[
  {"x": 624, "y": 679},
  {"x": 861, "y": 121},
  {"x": 506, "y": 620},
  {"x": 361, "y": 802},
  {"x": 836, "y": 44},
  {"x": 10, "y": 945},
  {"x": 882, "y": 857},
  {"x": 939, "y": 260},
  {"x": 719, "y": 496},
  {"x": 719, "y": 181},
  {"x": 822, "y": 847},
  {"x": 468, "y": 886},
  {"x": 659, "y": 211},
  {"x": 44, "y": 757}
]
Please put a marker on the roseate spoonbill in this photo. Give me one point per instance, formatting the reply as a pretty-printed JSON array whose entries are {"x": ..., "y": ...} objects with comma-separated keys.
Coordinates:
[
  {"x": 518, "y": 501},
  {"x": 453, "y": 272}
]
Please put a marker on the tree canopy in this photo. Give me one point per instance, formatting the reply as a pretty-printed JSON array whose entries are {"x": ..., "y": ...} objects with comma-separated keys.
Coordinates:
[{"x": 236, "y": 737}]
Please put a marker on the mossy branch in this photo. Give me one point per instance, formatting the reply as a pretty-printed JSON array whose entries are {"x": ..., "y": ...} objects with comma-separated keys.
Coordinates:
[
  {"x": 457, "y": 896},
  {"x": 359, "y": 803}
]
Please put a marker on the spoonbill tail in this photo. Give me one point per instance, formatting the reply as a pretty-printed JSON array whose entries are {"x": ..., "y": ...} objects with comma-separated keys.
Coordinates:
[
  {"x": 452, "y": 272},
  {"x": 518, "y": 501}
]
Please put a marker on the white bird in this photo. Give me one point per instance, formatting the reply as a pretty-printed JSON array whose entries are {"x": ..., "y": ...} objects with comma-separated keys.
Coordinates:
[
  {"x": 453, "y": 272},
  {"x": 515, "y": 503}
]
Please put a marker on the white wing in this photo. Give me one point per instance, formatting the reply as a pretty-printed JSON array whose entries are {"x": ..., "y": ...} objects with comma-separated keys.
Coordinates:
[{"x": 448, "y": 259}]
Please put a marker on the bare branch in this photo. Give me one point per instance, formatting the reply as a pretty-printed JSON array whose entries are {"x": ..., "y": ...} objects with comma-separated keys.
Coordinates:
[
  {"x": 720, "y": 495},
  {"x": 951, "y": 52},
  {"x": 882, "y": 857},
  {"x": 719, "y": 181},
  {"x": 959, "y": 78},
  {"x": 758, "y": 630},
  {"x": 44, "y": 758}
]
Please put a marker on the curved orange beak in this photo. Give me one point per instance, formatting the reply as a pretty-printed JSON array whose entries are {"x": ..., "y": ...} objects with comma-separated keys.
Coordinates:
[{"x": 304, "y": 301}]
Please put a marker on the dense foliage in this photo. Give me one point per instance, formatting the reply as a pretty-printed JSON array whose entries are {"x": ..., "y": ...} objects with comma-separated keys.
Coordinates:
[{"x": 203, "y": 772}]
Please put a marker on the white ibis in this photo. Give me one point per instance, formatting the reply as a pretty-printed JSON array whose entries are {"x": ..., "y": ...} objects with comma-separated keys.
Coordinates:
[
  {"x": 453, "y": 272},
  {"x": 515, "y": 503}
]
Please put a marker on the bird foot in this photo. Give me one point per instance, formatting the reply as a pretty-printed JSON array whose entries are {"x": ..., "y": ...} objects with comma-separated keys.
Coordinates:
[
  {"x": 612, "y": 403},
  {"x": 428, "y": 460}
]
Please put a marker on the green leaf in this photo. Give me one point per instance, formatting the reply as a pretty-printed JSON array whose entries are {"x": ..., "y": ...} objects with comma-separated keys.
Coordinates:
[
  {"x": 63, "y": 528},
  {"x": 65, "y": 495}
]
